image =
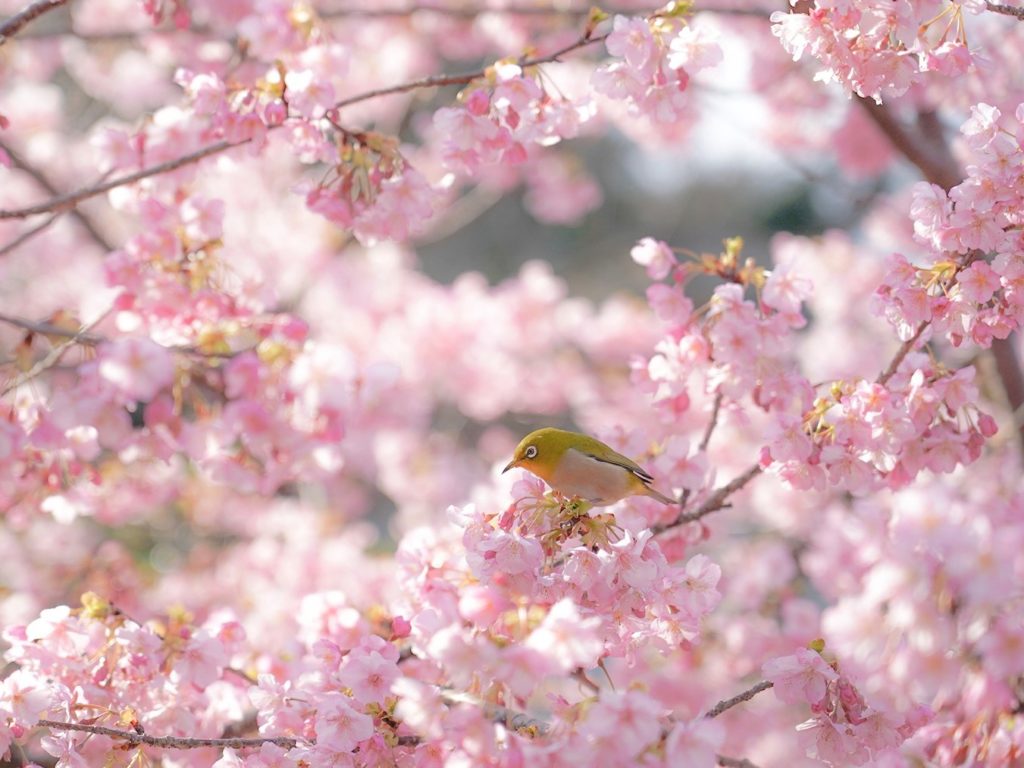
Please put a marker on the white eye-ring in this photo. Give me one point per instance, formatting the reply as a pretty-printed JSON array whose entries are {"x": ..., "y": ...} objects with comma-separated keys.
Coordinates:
[{"x": 531, "y": 452}]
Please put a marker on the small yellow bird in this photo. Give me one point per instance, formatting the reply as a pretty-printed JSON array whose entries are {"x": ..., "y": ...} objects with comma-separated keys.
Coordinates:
[{"x": 578, "y": 465}]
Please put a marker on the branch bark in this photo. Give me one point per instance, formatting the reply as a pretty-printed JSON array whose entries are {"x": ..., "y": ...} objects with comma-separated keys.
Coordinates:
[
  {"x": 747, "y": 695},
  {"x": 171, "y": 742},
  {"x": 1007, "y": 10},
  {"x": 26, "y": 15},
  {"x": 716, "y": 501}
]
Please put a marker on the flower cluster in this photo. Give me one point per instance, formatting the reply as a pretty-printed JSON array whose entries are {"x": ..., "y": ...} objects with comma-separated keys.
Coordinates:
[
  {"x": 955, "y": 288},
  {"x": 879, "y": 50},
  {"x": 502, "y": 116},
  {"x": 654, "y": 62},
  {"x": 843, "y": 730}
]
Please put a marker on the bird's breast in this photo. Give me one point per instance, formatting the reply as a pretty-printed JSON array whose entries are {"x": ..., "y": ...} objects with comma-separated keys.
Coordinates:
[{"x": 599, "y": 482}]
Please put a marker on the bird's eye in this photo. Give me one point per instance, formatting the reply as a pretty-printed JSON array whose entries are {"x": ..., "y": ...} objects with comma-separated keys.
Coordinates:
[{"x": 531, "y": 452}]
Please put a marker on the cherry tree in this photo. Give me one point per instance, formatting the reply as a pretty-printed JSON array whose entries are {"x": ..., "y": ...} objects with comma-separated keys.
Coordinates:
[{"x": 221, "y": 361}]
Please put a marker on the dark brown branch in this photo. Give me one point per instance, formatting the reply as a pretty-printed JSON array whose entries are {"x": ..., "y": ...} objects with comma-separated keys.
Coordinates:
[
  {"x": 747, "y": 695},
  {"x": 931, "y": 158},
  {"x": 1007, "y": 10},
  {"x": 1009, "y": 370},
  {"x": 716, "y": 501},
  {"x": 171, "y": 742},
  {"x": 40, "y": 178},
  {"x": 26, "y": 15}
]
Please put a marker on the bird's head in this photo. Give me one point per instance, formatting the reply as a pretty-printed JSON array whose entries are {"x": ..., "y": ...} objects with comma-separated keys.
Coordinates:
[{"x": 541, "y": 451}]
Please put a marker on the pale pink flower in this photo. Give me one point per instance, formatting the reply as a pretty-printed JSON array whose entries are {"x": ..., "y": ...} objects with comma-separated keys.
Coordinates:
[
  {"x": 203, "y": 219},
  {"x": 695, "y": 743},
  {"x": 368, "y": 675},
  {"x": 339, "y": 726},
  {"x": 799, "y": 678},
  {"x": 631, "y": 39},
  {"x": 567, "y": 637},
  {"x": 25, "y": 697},
  {"x": 138, "y": 367}
]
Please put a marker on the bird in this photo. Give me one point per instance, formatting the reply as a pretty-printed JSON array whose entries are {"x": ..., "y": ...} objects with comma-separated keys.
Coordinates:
[{"x": 577, "y": 465}]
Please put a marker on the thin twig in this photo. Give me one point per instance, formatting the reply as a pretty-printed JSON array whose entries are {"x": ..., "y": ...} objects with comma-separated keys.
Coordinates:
[
  {"x": 29, "y": 13},
  {"x": 29, "y": 233},
  {"x": 172, "y": 742},
  {"x": 901, "y": 353},
  {"x": 52, "y": 358},
  {"x": 40, "y": 178},
  {"x": 48, "y": 329},
  {"x": 466, "y": 77},
  {"x": 71, "y": 199},
  {"x": 1008, "y": 10},
  {"x": 712, "y": 422},
  {"x": 747, "y": 695},
  {"x": 461, "y": 12}
]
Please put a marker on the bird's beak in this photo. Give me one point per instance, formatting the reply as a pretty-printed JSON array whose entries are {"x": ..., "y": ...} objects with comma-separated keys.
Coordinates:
[{"x": 508, "y": 466}]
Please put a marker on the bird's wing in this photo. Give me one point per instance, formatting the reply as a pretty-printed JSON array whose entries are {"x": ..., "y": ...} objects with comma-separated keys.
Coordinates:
[{"x": 621, "y": 461}]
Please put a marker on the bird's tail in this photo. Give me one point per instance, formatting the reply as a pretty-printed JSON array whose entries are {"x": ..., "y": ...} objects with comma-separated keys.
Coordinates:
[{"x": 655, "y": 494}]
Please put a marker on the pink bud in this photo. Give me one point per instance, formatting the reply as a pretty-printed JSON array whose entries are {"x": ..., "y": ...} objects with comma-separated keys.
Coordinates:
[
  {"x": 400, "y": 627},
  {"x": 275, "y": 113}
]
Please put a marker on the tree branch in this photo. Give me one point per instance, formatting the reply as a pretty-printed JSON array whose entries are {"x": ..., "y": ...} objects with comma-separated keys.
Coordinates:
[
  {"x": 26, "y": 15},
  {"x": 716, "y": 501},
  {"x": 29, "y": 233},
  {"x": 171, "y": 742},
  {"x": 901, "y": 353},
  {"x": 747, "y": 695},
  {"x": 1007, "y": 10},
  {"x": 467, "y": 77},
  {"x": 735, "y": 762},
  {"x": 52, "y": 358},
  {"x": 509, "y": 717},
  {"x": 39, "y": 178},
  {"x": 939, "y": 166},
  {"x": 936, "y": 165},
  {"x": 71, "y": 199},
  {"x": 49, "y": 329},
  {"x": 712, "y": 422}
]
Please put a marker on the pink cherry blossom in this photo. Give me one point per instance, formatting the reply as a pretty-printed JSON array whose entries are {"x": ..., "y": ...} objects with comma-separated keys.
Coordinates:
[{"x": 800, "y": 677}]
